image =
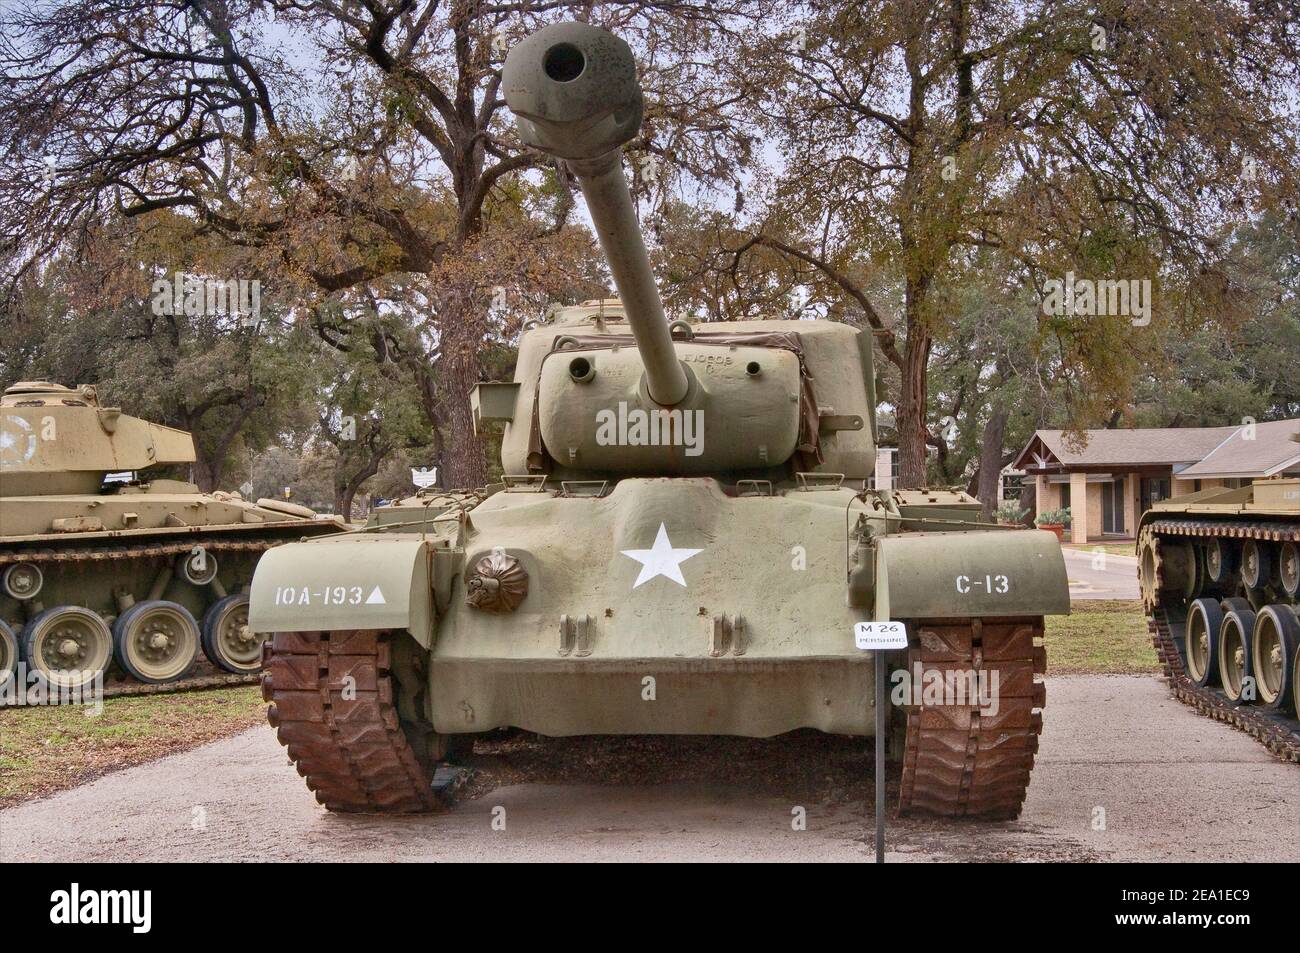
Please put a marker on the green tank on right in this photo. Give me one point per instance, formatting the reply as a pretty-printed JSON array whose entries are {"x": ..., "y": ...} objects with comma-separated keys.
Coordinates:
[{"x": 1219, "y": 573}]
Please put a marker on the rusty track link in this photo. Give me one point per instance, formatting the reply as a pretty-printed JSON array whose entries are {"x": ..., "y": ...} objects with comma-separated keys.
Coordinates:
[
  {"x": 1279, "y": 734},
  {"x": 958, "y": 761},
  {"x": 351, "y": 751}
]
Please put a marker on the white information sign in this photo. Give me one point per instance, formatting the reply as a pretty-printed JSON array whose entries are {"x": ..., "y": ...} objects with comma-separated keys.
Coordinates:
[{"x": 880, "y": 636}]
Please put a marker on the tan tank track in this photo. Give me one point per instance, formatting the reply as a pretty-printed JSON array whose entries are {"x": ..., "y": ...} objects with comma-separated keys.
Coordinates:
[
  {"x": 958, "y": 761},
  {"x": 1272, "y": 531},
  {"x": 1270, "y": 730},
  {"x": 140, "y": 550},
  {"x": 124, "y": 686},
  {"x": 1280, "y": 735},
  {"x": 351, "y": 751}
]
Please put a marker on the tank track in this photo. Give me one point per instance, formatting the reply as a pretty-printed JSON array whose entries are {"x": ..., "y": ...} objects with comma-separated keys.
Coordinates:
[
  {"x": 355, "y": 756},
  {"x": 1272, "y": 531},
  {"x": 352, "y": 752},
  {"x": 118, "y": 684},
  {"x": 137, "y": 551},
  {"x": 1279, "y": 734},
  {"x": 957, "y": 761}
]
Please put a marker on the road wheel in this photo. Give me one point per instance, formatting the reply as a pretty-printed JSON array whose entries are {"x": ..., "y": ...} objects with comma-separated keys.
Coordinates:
[
  {"x": 1220, "y": 561},
  {"x": 1295, "y": 683},
  {"x": 227, "y": 639},
  {"x": 1234, "y": 652},
  {"x": 1288, "y": 569},
  {"x": 1277, "y": 635},
  {"x": 22, "y": 581},
  {"x": 1204, "y": 620},
  {"x": 8, "y": 653},
  {"x": 1256, "y": 564},
  {"x": 69, "y": 646},
  {"x": 156, "y": 641}
]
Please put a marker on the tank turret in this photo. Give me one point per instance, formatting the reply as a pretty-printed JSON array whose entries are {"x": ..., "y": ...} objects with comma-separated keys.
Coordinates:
[
  {"x": 591, "y": 401},
  {"x": 574, "y": 91},
  {"x": 58, "y": 440}
]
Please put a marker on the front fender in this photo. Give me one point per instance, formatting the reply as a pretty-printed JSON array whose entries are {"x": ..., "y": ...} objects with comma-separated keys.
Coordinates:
[
  {"x": 346, "y": 582},
  {"x": 983, "y": 573}
]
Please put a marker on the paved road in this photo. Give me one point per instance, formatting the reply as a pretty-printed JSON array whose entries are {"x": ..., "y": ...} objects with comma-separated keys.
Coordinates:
[
  {"x": 1100, "y": 575},
  {"x": 1173, "y": 787}
]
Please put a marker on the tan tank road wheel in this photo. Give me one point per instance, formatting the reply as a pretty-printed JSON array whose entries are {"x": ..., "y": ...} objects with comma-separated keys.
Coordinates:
[
  {"x": 1277, "y": 632},
  {"x": 1234, "y": 651},
  {"x": 227, "y": 640},
  {"x": 1256, "y": 564},
  {"x": 1220, "y": 561},
  {"x": 156, "y": 641},
  {"x": 1204, "y": 620},
  {"x": 1288, "y": 569},
  {"x": 22, "y": 581},
  {"x": 1295, "y": 683},
  {"x": 8, "y": 653},
  {"x": 68, "y": 645}
]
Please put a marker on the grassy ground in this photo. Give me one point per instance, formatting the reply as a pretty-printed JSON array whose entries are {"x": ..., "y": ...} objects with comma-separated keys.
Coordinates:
[
  {"x": 1100, "y": 637},
  {"x": 48, "y": 749}
]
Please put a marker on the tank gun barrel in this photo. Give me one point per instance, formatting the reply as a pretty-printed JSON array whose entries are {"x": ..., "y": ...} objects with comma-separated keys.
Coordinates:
[{"x": 575, "y": 96}]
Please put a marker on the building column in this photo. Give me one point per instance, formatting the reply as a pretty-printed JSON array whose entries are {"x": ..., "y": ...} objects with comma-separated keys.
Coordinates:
[
  {"x": 1078, "y": 507},
  {"x": 1040, "y": 494},
  {"x": 1131, "y": 514}
]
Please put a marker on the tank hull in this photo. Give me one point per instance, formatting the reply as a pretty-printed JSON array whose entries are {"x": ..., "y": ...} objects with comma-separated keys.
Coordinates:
[
  {"x": 670, "y": 606},
  {"x": 108, "y": 571}
]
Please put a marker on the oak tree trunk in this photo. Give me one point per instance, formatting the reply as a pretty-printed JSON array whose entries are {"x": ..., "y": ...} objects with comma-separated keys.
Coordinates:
[
  {"x": 995, "y": 429},
  {"x": 912, "y": 406},
  {"x": 465, "y": 461}
]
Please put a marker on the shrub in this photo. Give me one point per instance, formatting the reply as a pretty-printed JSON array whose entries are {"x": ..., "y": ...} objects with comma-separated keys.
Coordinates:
[
  {"x": 1059, "y": 517},
  {"x": 1010, "y": 511}
]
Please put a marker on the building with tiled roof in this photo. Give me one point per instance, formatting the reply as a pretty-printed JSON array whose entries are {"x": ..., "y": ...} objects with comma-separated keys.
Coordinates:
[{"x": 1108, "y": 478}]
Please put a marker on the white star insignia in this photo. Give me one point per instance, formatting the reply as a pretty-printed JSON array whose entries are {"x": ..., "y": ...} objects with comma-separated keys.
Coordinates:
[{"x": 661, "y": 559}]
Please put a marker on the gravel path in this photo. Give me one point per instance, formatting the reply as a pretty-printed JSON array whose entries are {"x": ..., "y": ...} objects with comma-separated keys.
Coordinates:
[{"x": 1173, "y": 787}]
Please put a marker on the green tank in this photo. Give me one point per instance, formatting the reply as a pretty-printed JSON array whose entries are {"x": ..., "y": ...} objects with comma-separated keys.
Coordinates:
[
  {"x": 684, "y": 542},
  {"x": 1219, "y": 575},
  {"x": 141, "y": 573}
]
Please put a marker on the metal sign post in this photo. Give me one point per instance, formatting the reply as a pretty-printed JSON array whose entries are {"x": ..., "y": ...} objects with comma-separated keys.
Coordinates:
[{"x": 879, "y": 638}]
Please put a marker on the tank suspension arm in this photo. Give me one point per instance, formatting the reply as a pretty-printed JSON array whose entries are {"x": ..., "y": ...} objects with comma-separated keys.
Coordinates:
[{"x": 160, "y": 581}]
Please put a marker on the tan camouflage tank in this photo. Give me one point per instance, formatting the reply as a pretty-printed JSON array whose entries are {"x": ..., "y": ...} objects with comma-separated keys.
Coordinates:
[
  {"x": 684, "y": 542},
  {"x": 1219, "y": 573},
  {"x": 142, "y": 573}
]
